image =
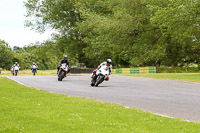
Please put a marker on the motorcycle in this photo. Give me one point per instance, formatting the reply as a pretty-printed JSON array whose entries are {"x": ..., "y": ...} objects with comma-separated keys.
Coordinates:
[
  {"x": 12, "y": 71},
  {"x": 62, "y": 71},
  {"x": 16, "y": 70},
  {"x": 99, "y": 76},
  {"x": 34, "y": 70}
]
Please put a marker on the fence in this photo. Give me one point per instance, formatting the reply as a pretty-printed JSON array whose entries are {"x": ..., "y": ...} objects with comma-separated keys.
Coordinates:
[
  {"x": 133, "y": 70},
  {"x": 78, "y": 70}
]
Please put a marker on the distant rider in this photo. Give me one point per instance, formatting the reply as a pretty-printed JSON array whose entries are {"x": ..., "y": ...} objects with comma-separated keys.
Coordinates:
[
  {"x": 65, "y": 60},
  {"x": 108, "y": 63},
  {"x": 34, "y": 66},
  {"x": 16, "y": 64},
  {"x": 12, "y": 69}
]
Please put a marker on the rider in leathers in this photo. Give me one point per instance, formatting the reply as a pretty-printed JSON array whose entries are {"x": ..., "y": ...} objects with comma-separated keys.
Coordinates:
[
  {"x": 33, "y": 67},
  {"x": 16, "y": 64},
  {"x": 65, "y": 60},
  {"x": 13, "y": 67},
  {"x": 108, "y": 63}
]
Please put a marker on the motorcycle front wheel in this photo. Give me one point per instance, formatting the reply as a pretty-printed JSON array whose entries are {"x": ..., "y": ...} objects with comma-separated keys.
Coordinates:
[
  {"x": 99, "y": 80},
  {"x": 61, "y": 75},
  {"x": 92, "y": 84}
]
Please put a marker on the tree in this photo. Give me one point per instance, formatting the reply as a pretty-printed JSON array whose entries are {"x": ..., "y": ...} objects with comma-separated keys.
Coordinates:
[
  {"x": 61, "y": 16},
  {"x": 120, "y": 30},
  {"x": 178, "y": 22},
  {"x": 131, "y": 32},
  {"x": 6, "y": 55}
]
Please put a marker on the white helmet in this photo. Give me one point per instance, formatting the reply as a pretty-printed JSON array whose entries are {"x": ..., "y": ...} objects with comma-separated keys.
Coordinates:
[
  {"x": 109, "y": 61},
  {"x": 65, "y": 57}
]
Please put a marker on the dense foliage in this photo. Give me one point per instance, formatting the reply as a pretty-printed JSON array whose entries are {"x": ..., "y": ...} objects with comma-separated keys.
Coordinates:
[
  {"x": 6, "y": 55},
  {"x": 130, "y": 32}
]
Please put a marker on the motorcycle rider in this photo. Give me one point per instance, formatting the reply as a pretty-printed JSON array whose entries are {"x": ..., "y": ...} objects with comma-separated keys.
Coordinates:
[
  {"x": 12, "y": 69},
  {"x": 34, "y": 66},
  {"x": 65, "y": 60},
  {"x": 16, "y": 64},
  {"x": 108, "y": 63}
]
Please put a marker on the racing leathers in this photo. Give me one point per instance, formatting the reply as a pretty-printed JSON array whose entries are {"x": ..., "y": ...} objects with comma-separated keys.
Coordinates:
[
  {"x": 34, "y": 66},
  {"x": 67, "y": 63},
  {"x": 105, "y": 63},
  {"x": 15, "y": 65},
  {"x": 94, "y": 76}
]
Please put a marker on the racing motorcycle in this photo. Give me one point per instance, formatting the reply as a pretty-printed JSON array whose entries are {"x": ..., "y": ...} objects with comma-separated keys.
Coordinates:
[
  {"x": 62, "y": 71},
  {"x": 16, "y": 70},
  {"x": 34, "y": 70},
  {"x": 99, "y": 76}
]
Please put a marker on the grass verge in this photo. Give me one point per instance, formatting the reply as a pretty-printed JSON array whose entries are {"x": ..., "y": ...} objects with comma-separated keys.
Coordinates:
[
  {"x": 191, "y": 77},
  {"x": 25, "y": 109},
  {"x": 29, "y": 72}
]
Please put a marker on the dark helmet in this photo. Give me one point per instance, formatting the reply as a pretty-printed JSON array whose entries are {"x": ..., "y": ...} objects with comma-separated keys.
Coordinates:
[
  {"x": 65, "y": 57},
  {"x": 109, "y": 61}
]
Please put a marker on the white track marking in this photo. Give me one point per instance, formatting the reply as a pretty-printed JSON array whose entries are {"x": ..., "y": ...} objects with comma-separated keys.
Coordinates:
[{"x": 15, "y": 80}]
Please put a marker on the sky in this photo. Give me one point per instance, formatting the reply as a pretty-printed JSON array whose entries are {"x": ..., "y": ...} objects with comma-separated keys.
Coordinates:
[{"x": 12, "y": 29}]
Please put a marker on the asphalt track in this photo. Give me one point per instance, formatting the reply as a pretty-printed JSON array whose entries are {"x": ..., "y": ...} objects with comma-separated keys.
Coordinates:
[{"x": 167, "y": 97}]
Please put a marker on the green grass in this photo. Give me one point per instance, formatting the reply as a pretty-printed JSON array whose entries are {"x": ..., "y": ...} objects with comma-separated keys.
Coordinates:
[
  {"x": 178, "y": 69},
  {"x": 191, "y": 77},
  {"x": 29, "y": 72},
  {"x": 24, "y": 109}
]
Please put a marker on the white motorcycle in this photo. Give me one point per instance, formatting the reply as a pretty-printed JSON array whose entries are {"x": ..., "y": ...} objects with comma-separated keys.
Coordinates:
[
  {"x": 16, "y": 70},
  {"x": 62, "y": 71},
  {"x": 100, "y": 75}
]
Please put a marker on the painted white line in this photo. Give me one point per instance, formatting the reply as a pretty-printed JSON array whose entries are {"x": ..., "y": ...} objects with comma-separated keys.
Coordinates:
[
  {"x": 172, "y": 117},
  {"x": 150, "y": 112},
  {"x": 15, "y": 80},
  {"x": 161, "y": 114}
]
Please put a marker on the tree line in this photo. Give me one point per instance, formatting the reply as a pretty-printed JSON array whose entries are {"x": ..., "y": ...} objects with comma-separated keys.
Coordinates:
[
  {"x": 38, "y": 53},
  {"x": 130, "y": 32}
]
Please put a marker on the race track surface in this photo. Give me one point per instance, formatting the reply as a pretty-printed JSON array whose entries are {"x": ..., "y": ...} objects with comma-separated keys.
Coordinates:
[{"x": 172, "y": 98}]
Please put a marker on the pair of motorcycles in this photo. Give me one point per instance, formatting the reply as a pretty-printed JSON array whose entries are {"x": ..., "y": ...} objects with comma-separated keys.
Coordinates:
[
  {"x": 98, "y": 76},
  {"x": 15, "y": 70}
]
